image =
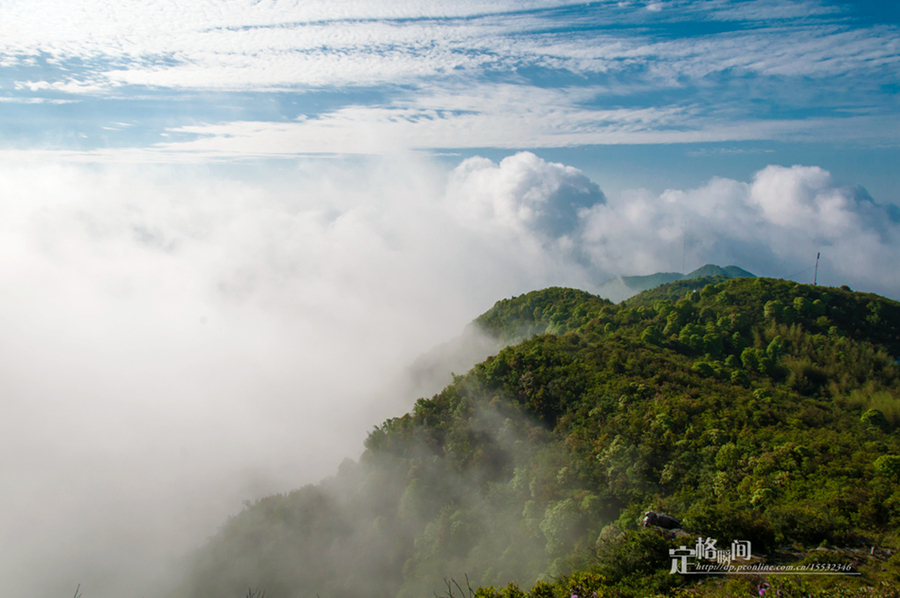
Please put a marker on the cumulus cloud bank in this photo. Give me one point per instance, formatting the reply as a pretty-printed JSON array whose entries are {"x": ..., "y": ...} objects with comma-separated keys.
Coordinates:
[
  {"x": 176, "y": 341},
  {"x": 522, "y": 193},
  {"x": 773, "y": 226}
]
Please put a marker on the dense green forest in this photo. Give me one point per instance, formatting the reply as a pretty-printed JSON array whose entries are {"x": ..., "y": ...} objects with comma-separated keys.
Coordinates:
[
  {"x": 623, "y": 287},
  {"x": 750, "y": 409}
]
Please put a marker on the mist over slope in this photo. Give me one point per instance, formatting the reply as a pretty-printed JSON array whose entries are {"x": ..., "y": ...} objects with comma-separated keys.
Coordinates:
[
  {"x": 749, "y": 410},
  {"x": 509, "y": 322},
  {"x": 179, "y": 339}
]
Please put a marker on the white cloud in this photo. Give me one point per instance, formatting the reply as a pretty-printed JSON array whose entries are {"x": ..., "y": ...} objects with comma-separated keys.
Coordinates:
[
  {"x": 252, "y": 45},
  {"x": 19, "y": 100},
  {"x": 773, "y": 226},
  {"x": 508, "y": 117},
  {"x": 293, "y": 45},
  {"x": 177, "y": 340},
  {"x": 772, "y": 10},
  {"x": 512, "y": 118},
  {"x": 521, "y": 194},
  {"x": 613, "y": 81}
]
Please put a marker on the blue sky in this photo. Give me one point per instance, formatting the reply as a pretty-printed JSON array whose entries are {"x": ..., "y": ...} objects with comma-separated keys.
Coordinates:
[{"x": 705, "y": 85}]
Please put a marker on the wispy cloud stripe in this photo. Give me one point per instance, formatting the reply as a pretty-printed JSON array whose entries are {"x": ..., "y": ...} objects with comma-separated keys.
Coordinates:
[
  {"x": 168, "y": 48},
  {"x": 751, "y": 63}
]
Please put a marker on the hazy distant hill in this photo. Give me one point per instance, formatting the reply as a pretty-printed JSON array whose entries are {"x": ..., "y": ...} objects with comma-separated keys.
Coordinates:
[
  {"x": 751, "y": 409},
  {"x": 622, "y": 287},
  {"x": 509, "y": 322},
  {"x": 486, "y": 335}
]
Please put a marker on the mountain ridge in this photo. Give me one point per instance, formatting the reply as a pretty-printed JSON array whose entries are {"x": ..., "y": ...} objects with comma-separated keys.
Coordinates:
[
  {"x": 623, "y": 287},
  {"x": 757, "y": 410},
  {"x": 433, "y": 369}
]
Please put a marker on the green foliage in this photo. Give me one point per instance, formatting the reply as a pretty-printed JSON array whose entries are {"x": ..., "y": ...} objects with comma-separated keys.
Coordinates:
[
  {"x": 560, "y": 524},
  {"x": 704, "y": 369},
  {"x": 876, "y": 419},
  {"x": 556, "y": 310},
  {"x": 652, "y": 336},
  {"x": 773, "y": 309},
  {"x": 750, "y": 359},
  {"x": 727, "y": 521},
  {"x": 776, "y": 349},
  {"x": 638, "y": 561},
  {"x": 888, "y": 466},
  {"x": 754, "y": 409}
]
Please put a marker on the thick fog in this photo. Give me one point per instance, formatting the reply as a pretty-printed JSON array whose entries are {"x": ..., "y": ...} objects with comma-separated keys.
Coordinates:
[{"x": 176, "y": 340}]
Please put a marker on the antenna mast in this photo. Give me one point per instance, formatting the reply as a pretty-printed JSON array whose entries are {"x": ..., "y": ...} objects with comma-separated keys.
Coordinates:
[{"x": 816, "y": 277}]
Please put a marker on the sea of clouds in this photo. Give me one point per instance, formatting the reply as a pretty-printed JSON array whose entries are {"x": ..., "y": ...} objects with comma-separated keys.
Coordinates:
[{"x": 176, "y": 340}]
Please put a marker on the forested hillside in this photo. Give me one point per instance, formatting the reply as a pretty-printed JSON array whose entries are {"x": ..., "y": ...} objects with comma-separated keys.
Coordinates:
[
  {"x": 623, "y": 287},
  {"x": 750, "y": 409}
]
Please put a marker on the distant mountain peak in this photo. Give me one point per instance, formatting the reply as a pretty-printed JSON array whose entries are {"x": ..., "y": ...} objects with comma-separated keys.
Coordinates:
[
  {"x": 622, "y": 287},
  {"x": 714, "y": 270}
]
